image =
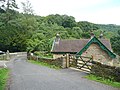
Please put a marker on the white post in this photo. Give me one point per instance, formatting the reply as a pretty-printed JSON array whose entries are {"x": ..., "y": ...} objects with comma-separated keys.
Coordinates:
[
  {"x": 7, "y": 55},
  {"x": 37, "y": 58}
]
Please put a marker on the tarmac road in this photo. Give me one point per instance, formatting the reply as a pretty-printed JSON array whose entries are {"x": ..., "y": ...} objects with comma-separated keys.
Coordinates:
[{"x": 27, "y": 76}]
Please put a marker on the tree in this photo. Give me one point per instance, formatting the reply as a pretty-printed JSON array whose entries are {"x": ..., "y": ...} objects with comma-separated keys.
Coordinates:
[
  {"x": 8, "y": 8},
  {"x": 68, "y": 21},
  {"x": 115, "y": 41},
  {"x": 8, "y": 25},
  {"x": 2, "y": 6},
  {"x": 87, "y": 26},
  {"x": 27, "y": 7},
  {"x": 8, "y": 5}
]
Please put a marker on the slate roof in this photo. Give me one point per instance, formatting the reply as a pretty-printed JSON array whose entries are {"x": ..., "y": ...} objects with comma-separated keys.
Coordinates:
[{"x": 74, "y": 46}]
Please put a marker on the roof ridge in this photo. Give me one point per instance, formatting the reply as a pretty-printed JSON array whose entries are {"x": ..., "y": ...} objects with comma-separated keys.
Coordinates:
[
  {"x": 73, "y": 39},
  {"x": 80, "y": 39}
]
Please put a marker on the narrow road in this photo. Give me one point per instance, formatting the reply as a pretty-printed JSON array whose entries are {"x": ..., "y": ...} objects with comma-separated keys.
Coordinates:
[{"x": 27, "y": 76}]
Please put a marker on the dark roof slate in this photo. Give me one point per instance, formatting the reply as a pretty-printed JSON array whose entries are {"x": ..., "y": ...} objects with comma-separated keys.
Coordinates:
[{"x": 75, "y": 45}]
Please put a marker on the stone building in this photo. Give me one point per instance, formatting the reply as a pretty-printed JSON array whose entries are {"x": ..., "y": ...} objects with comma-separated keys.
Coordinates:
[{"x": 99, "y": 49}]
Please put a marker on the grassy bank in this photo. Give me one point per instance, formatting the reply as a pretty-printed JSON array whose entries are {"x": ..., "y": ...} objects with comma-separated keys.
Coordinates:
[
  {"x": 3, "y": 77},
  {"x": 43, "y": 54},
  {"x": 104, "y": 81},
  {"x": 43, "y": 64}
]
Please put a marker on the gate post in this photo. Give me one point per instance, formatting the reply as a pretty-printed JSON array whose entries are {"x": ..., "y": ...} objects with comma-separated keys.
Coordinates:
[
  {"x": 64, "y": 64},
  {"x": 67, "y": 60}
]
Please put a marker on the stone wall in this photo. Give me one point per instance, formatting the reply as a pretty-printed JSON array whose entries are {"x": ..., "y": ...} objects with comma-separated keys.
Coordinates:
[
  {"x": 98, "y": 54},
  {"x": 59, "y": 62},
  {"x": 106, "y": 72},
  {"x": 58, "y": 56}
]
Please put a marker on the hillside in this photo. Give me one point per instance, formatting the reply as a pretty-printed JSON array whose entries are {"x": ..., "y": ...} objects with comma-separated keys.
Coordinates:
[
  {"x": 26, "y": 32},
  {"x": 109, "y": 27}
]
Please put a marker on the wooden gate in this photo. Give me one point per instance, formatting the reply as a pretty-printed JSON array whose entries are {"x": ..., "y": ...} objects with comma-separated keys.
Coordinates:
[{"x": 80, "y": 62}]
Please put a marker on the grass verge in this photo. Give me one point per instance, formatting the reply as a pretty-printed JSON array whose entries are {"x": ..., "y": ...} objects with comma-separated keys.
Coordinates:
[
  {"x": 104, "y": 81},
  {"x": 4, "y": 74},
  {"x": 44, "y": 64}
]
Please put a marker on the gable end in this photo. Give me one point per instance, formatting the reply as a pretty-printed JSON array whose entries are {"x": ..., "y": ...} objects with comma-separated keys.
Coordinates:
[{"x": 102, "y": 46}]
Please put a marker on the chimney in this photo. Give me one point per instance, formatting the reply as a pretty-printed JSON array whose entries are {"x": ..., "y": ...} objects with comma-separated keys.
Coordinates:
[
  {"x": 101, "y": 35},
  {"x": 57, "y": 39},
  {"x": 92, "y": 34}
]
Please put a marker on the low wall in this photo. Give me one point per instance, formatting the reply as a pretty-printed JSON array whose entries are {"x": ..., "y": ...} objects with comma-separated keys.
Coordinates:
[
  {"x": 107, "y": 72},
  {"x": 8, "y": 56},
  {"x": 57, "y": 62},
  {"x": 3, "y": 57}
]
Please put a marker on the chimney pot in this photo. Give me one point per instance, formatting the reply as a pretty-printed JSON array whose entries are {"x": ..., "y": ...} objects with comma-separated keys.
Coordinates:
[{"x": 92, "y": 35}]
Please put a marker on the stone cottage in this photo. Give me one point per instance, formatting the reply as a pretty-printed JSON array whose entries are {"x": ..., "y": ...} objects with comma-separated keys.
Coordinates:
[{"x": 99, "y": 49}]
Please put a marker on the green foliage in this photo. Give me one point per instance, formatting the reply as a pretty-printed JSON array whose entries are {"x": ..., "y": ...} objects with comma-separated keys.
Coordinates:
[
  {"x": 68, "y": 21},
  {"x": 104, "y": 81},
  {"x": 27, "y": 32},
  {"x": 86, "y": 35},
  {"x": 116, "y": 43},
  {"x": 87, "y": 26},
  {"x": 109, "y": 27},
  {"x": 43, "y": 54},
  {"x": 12, "y": 36},
  {"x": 3, "y": 78}
]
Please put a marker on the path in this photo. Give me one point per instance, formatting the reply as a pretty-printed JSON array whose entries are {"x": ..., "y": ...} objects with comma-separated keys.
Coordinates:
[{"x": 27, "y": 76}]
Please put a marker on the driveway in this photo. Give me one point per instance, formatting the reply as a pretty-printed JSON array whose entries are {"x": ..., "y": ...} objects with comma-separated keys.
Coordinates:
[{"x": 27, "y": 76}]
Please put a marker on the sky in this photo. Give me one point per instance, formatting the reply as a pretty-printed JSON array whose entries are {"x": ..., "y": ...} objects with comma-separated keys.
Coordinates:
[{"x": 95, "y": 11}]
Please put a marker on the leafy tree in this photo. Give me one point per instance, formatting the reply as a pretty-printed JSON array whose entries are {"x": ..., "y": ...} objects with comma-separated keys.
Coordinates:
[
  {"x": 27, "y": 7},
  {"x": 7, "y": 5},
  {"x": 29, "y": 32},
  {"x": 86, "y": 35},
  {"x": 87, "y": 26},
  {"x": 109, "y": 27},
  {"x": 2, "y": 6},
  {"x": 115, "y": 41},
  {"x": 68, "y": 21}
]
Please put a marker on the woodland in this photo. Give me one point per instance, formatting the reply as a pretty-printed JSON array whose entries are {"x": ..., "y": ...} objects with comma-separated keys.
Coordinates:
[{"x": 25, "y": 31}]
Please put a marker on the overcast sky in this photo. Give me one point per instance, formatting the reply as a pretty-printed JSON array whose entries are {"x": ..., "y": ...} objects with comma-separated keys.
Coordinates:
[{"x": 96, "y": 11}]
